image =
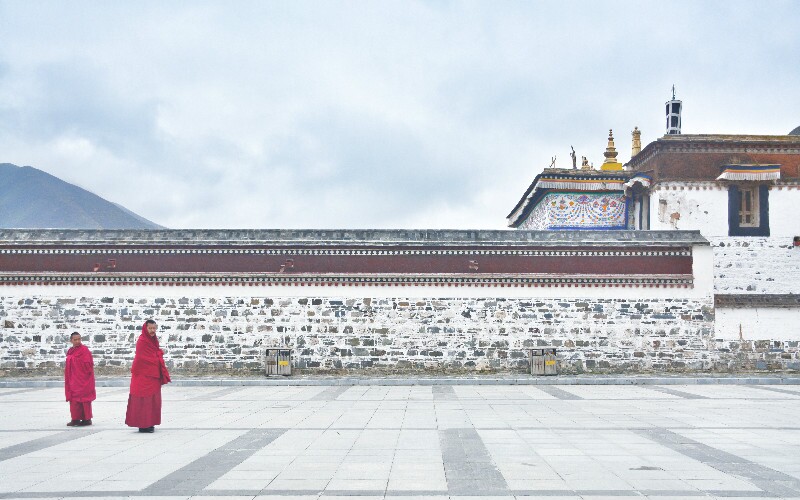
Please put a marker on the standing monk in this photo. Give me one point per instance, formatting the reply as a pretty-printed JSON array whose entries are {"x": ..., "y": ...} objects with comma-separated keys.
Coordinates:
[
  {"x": 79, "y": 382},
  {"x": 149, "y": 373}
]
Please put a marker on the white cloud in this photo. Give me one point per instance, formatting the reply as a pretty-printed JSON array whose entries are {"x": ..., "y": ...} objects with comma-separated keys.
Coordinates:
[{"x": 369, "y": 114}]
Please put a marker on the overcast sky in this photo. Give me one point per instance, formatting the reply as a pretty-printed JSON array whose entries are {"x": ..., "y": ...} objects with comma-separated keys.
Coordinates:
[{"x": 302, "y": 114}]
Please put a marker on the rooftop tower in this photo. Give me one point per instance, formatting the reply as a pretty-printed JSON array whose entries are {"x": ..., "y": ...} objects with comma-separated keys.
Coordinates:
[{"x": 674, "y": 108}]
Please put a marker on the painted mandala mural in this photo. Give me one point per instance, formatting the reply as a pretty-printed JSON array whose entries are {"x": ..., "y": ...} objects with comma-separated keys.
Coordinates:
[{"x": 579, "y": 211}]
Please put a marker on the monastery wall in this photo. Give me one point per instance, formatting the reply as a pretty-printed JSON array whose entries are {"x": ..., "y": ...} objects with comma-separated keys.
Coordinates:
[
  {"x": 645, "y": 306},
  {"x": 226, "y": 329}
]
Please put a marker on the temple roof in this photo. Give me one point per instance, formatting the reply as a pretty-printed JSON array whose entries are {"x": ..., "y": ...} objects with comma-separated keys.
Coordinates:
[
  {"x": 702, "y": 157},
  {"x": 564, "y": 178}
]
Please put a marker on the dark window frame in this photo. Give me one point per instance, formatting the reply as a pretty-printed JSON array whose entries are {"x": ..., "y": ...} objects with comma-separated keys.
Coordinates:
[{"x": 734, "y": 203}]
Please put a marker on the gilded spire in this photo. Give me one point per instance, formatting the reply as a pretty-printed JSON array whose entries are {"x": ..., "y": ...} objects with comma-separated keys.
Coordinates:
[
  {"x": 611, "y": 162},
  {"x": 636, "y": 148}
]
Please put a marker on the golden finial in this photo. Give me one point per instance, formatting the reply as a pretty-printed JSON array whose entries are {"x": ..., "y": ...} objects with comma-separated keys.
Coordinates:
[{"x": 611, "y": 162}]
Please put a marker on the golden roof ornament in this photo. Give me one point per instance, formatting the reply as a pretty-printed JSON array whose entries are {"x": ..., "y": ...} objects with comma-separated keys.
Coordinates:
[{"x": 611, "y": 162}]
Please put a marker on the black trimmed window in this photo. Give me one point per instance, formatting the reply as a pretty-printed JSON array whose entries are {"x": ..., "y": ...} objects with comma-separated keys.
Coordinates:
[
  {"x": 748, "y": 210},
  {"x": 748, "y": 206}
]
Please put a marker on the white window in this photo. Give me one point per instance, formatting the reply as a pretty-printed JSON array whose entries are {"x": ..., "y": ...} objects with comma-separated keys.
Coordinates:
[{"x": 748, "y": 206}]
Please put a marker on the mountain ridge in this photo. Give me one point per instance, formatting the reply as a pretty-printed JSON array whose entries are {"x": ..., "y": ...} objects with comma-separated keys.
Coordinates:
[{"x": 34, "y": 199}]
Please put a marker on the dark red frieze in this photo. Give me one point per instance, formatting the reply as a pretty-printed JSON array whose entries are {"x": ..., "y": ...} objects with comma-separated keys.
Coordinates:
[
  {"x": 353, "y": 258},
  {"x": 617, "y": 261}
]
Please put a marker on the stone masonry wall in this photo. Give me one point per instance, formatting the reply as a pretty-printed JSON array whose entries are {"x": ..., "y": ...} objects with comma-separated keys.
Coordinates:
[
  {"x": 380, "y": 335},
  {"x": 756, "y": 265}
]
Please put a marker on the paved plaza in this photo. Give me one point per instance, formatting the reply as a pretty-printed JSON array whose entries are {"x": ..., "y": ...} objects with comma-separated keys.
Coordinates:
[{"x": 440, "y": 441}]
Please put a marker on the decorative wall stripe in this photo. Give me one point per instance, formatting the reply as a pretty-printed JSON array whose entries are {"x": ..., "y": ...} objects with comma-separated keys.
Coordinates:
[
  {"x": 290, "y": 251},
  {"x": 366, "y": 280}
]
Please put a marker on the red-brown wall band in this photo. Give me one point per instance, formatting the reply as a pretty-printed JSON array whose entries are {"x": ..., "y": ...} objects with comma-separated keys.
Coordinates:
[{"x": 346, "y": 260}]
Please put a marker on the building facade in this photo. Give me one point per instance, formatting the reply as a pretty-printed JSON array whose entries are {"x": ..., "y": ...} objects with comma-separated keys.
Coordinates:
[{"x": 741, "y": 192}]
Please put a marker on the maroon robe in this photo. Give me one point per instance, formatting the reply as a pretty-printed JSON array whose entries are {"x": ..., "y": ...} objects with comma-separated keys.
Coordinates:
[
  {"x": 148, "y": 373},
  {"x": 79, "y": 382}
]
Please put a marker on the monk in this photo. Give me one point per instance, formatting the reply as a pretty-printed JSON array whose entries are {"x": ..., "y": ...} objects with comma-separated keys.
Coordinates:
[
  {"x": 148, "y": 374},
  {"x": 79, "y": 382}
]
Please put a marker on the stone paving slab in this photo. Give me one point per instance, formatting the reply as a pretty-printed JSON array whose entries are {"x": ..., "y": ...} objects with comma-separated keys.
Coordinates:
[{"x": 452, "y": 441}]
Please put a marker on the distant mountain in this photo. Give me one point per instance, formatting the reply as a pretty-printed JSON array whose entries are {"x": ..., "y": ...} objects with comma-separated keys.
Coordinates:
[{"x": 32, "y": 199}]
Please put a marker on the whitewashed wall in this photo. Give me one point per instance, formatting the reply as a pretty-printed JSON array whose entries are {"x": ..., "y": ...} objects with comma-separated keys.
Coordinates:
[
  {"x": 779, "y": 324},
  {"x": 701, "y": 206},
  {"x": 784, "y": 212},
  {"x": 756, "y": 265}
]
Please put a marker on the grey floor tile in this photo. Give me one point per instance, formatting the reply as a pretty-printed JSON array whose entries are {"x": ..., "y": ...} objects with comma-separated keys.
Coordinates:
[{"x": 418, "y": 442}]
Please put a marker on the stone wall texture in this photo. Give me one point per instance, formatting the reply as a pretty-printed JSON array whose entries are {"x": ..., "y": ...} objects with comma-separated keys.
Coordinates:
[
  {"x": 383, "y": 335},
  {"x": 756, "y": 265}
]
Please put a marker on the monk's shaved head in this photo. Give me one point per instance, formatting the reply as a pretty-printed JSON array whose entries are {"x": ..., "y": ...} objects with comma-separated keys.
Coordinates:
[{"x": 75, "y": 339}]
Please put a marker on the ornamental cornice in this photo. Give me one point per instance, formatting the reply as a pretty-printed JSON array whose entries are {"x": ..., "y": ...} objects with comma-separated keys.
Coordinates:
[
  {"x": 514, "y": 280},
  {"x": 690, "y": 186},
  {"x": 347, "y": 252},
  {"x": 716, "y": 185},
  {"x": 727, "y": 148}
]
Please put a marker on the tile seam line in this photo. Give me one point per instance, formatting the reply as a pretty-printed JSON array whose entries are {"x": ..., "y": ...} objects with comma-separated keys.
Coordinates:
[
  {"x": 543, "y": 427},
  {"x": 411, "y": 381},
  {"x": 390, "y": 493},
  {"x": 496, "y": 402}
]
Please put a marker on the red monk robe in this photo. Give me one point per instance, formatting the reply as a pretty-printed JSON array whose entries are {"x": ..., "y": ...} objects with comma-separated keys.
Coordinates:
[
  {"x": 148, "y": 374},
  {"x": 79, "y": 382}
]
